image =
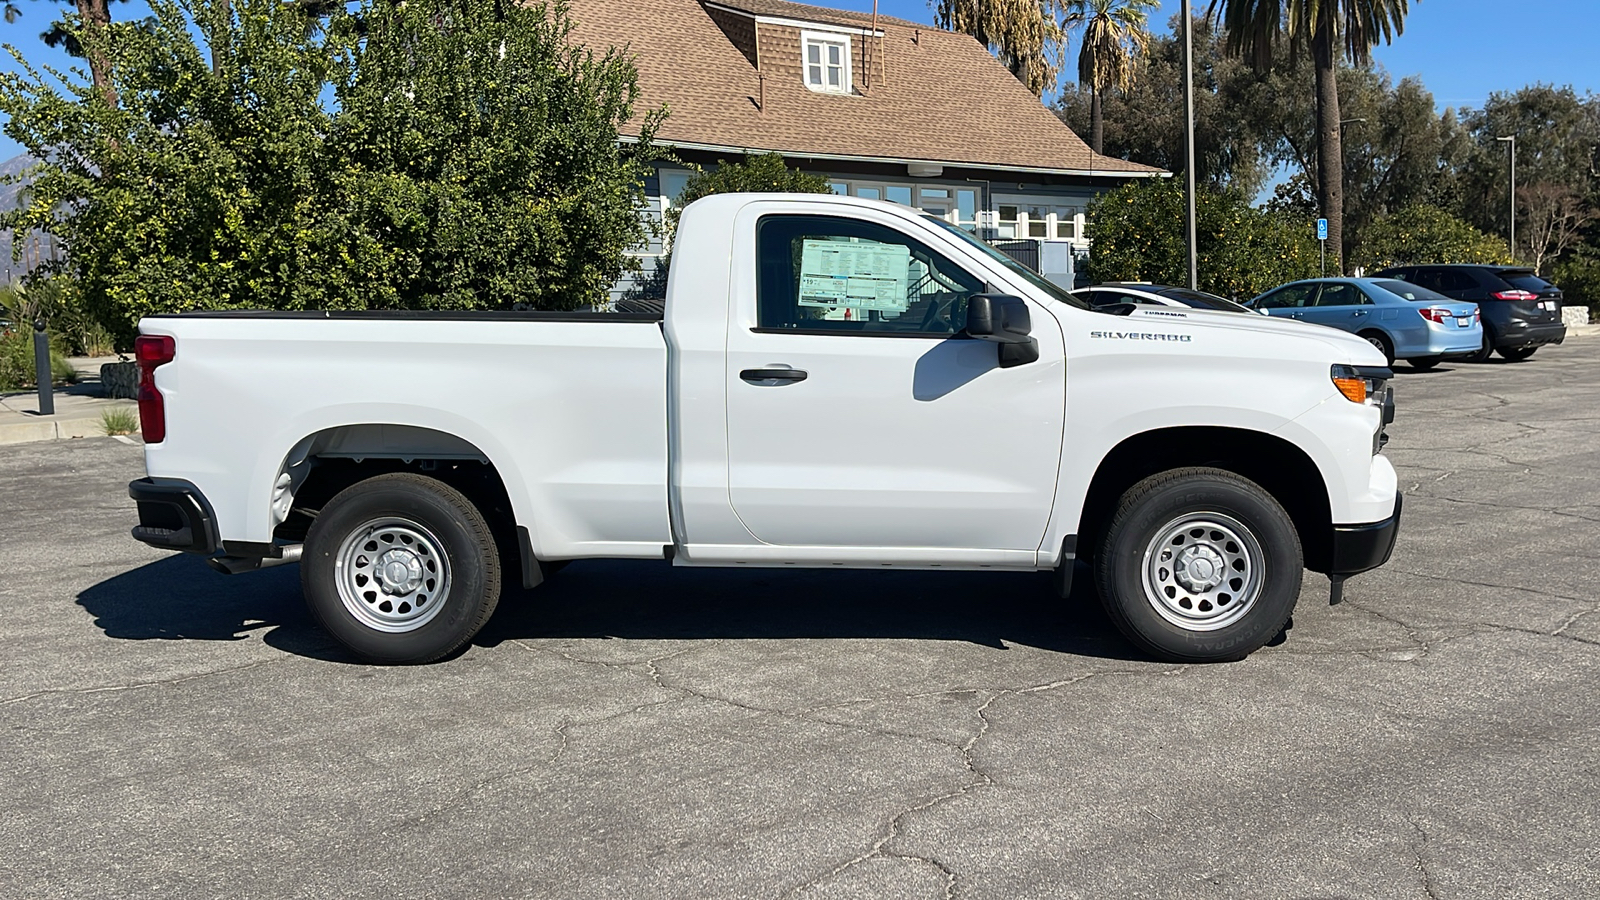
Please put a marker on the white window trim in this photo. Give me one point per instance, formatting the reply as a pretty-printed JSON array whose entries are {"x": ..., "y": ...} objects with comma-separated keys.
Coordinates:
[{"x": 847, "y": 80}]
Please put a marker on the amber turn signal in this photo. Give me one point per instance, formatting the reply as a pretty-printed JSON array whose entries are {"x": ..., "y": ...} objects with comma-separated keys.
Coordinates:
[{"x": 1354, "y": 389}]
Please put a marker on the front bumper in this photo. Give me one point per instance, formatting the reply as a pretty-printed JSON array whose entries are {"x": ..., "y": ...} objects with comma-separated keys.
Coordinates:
[
  {"x": 1358, "y": 548},
  {"x": 1518, "y": 334},
  {"x": 173, "y": 515}
]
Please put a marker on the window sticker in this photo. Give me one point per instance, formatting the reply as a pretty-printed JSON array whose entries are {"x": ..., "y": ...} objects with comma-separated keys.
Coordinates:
[{"x": 854, "y": 275}]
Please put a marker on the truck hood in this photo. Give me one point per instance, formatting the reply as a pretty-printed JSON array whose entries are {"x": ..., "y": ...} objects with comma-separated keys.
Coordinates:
[{"x": 1351, "y": 349}]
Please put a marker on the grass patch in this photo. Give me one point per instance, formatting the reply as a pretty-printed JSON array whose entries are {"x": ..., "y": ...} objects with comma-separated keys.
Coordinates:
[{"x": 119, "y": 420}]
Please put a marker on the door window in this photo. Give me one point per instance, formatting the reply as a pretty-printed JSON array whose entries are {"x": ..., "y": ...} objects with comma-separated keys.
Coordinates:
[
  {"x": 1293, "y": 296},
  {"x": 847, "y": 276},
  {"x": 1341, "y": 295}
]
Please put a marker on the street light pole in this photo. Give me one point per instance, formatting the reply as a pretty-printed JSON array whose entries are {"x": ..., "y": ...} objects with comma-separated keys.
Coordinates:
[
  {"x": 1188, "y": 146},
  {"x": 1511, "y": 195}
]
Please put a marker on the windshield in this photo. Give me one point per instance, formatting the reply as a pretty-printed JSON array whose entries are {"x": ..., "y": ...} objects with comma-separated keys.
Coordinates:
[
  {"x": 1410, "y": 291},
  {"x": 1203, "y": 300},
  {"x": 1050, "y": 289}
]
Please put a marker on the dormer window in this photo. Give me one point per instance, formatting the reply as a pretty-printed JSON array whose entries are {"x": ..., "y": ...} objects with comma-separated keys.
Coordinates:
[{"x": 827, "y": 61}]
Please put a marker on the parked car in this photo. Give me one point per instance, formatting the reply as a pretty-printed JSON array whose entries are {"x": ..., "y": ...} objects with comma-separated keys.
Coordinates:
[
  {"x": 833, "y": 382},
  {"x": 1113, "y": 292},
  {"x": 1402, "y": 320},
  {"x": 1521, "y": 311}
]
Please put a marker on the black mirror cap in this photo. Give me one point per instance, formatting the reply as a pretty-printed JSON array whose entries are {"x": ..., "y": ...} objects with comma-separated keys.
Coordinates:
[{"x": 998, "y": 317}]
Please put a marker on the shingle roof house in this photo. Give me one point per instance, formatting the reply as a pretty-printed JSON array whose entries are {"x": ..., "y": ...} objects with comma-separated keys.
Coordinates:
[{"x": 887, "y": 109}]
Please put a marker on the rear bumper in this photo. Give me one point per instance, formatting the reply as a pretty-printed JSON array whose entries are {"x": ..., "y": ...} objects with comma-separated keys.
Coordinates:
[
  {"x": 1521, "y": 334},
  {"x": 173, "y": 515},
  {"x": 1358, "y": 548},
  {"x": 1454, "y": 342}
]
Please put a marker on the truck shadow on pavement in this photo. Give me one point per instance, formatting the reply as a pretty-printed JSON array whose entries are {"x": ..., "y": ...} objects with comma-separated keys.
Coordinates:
[{"x": 180, "y": 598}]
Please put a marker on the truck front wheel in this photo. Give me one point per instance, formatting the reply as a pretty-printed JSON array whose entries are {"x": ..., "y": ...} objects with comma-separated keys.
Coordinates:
[
  {"x": 401, "y": 568},
  {"x": 1199, "y": 565}
]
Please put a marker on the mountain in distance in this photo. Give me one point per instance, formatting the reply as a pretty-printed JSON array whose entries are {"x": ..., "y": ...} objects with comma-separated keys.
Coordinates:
[{"x": 11, "y": 198}]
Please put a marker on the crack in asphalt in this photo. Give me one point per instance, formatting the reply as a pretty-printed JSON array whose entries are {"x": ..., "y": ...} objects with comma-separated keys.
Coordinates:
[
  {"x": 880, "y": 848},
  {"x": 1556, "y": 511},
  {"x": 135, "y": 685},
  {"x": 1422, "y": 862},
  {"x": 1487, "y": 584}
]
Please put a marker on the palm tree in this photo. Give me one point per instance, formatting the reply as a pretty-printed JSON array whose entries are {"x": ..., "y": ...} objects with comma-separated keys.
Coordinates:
[
  {"x": 94, "y": 16},
  {"x": 1259, "y": 29},
  {"x": 1024, "y": 34},
  {"x": 1115, "y": 34}
]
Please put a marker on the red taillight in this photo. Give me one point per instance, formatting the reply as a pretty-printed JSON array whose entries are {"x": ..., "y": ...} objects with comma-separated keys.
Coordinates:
[
  {"x": 150, "y": 351},
  {"x": 1514, "y": 295},
  {"x": 1477, "y": 314},
  {"x": 1435, "y": 314}
]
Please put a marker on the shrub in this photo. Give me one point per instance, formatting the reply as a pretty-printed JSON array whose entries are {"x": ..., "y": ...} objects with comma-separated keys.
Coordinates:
[
  {"x": 1138, "y": 236},
  {"x": 369, "y": 159},
  {"x": 17, "y": 363},
  {"x": 1578, "y": 276},
  {"x": 1425, "y": 234},
  {"x": 119, "y": 420}
]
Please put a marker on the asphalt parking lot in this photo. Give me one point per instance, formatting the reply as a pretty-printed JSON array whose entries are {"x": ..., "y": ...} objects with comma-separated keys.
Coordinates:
[{"x": 628, "y": 730}]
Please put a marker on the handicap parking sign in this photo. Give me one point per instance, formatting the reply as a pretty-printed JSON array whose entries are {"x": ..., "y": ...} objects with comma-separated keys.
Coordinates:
[{"x": 1322, "y": 229}]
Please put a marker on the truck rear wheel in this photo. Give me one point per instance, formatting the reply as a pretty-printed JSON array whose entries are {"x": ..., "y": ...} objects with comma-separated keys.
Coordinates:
[
  {"x": 1199, "y": 565},
  {"x": 401, "y": 568}
]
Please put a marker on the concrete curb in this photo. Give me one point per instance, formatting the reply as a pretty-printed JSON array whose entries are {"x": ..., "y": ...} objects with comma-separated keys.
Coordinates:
[{"x": 77, "y": 416}]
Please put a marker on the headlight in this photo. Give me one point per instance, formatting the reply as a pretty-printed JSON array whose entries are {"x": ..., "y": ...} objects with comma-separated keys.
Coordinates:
[{"x": 1362, "y": 384}]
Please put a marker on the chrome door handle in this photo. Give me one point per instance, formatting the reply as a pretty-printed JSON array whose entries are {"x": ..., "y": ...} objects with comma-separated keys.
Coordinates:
[{"x": 1359, "y": 312}]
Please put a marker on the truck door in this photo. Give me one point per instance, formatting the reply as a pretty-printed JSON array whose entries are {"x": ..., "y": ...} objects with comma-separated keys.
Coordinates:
[{"x": 859, "y": 416}]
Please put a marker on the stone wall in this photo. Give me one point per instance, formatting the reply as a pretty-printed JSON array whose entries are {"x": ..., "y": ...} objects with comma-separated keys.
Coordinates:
[{"x": 120, "y": 380}]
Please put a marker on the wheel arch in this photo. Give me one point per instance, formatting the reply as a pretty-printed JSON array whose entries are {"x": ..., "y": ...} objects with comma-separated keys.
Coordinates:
[
  {"x": 1282, "y": 469},
  {"x": 329, "y": 460}
]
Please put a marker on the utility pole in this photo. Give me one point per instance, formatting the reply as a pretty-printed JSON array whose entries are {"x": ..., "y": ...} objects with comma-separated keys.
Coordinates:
[
  {"x": 1188, "y": 146},
  {"x": 1511, "y": 196}
]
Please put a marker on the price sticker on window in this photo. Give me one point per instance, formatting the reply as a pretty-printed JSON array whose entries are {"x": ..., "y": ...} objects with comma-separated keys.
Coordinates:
[{"x": 864, "y": 275}]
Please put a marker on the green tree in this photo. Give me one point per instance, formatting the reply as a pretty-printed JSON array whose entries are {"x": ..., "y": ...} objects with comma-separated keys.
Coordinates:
[
  {"x": 1115, "y": 34},
  {"x": 1558, "y": 167},
  {"x": 1138, "y": 236},
  {"x": 469, "y": 160},
  {"x": 1145, "y": 123},
  {"x": 1024, "y": 34},
  {"x": 1426, "y": 234},
  {"x": 1332, "y": 30},
  {"x": 83, "y": 36}
]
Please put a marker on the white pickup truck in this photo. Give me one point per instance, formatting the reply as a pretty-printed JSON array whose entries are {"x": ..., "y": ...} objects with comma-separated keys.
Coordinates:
[{"x": 834, "y": 382}]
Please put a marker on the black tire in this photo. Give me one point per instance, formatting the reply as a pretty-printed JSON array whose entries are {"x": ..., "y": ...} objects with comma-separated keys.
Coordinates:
[
  {"x": 1189, "y": 509},
  {"x": 1381, "y": 341},
  {"x": 1516, "y": 354},
  {"x": 421, "y": 535},
  {"x": 1423, "y": 363},
  {"x": 1483, "y": 352}
]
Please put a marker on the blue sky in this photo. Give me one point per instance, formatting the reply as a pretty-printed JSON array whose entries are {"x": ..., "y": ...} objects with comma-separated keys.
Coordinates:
[{"x": 1462, "y": 49}]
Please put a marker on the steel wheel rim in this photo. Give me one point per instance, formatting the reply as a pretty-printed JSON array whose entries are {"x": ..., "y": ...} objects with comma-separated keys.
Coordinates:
[
  {"x": 393, "y": 574},
  {"x": 1203, "y": 571}
]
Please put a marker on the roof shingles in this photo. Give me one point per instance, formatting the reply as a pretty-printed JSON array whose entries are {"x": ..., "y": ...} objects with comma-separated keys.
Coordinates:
[{"x": 934, "y": 96}]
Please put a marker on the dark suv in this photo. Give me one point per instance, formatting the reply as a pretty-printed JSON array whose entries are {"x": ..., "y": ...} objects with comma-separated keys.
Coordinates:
[{"x": 1521, "y": 311}]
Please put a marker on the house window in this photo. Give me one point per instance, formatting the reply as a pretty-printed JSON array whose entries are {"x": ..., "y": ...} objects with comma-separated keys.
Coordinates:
[{"x": 827, "y": 62}]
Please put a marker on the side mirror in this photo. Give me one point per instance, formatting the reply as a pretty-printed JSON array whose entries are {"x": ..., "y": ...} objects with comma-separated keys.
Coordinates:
[{"x": 1004, "y": 320}]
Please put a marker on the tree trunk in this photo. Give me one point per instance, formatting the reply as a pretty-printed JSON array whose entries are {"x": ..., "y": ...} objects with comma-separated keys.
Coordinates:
[
  {"x": 96, "y": 15},
  {"x": 1330, "y": 150},
  {"x": 218, "y": 40},
  {"x": 1097, "y": 124}
]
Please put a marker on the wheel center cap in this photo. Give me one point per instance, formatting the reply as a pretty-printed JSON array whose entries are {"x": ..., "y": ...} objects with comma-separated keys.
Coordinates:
[
  {"x": 398, "y": 572},
  {"x": 1199, "y": 568}
]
